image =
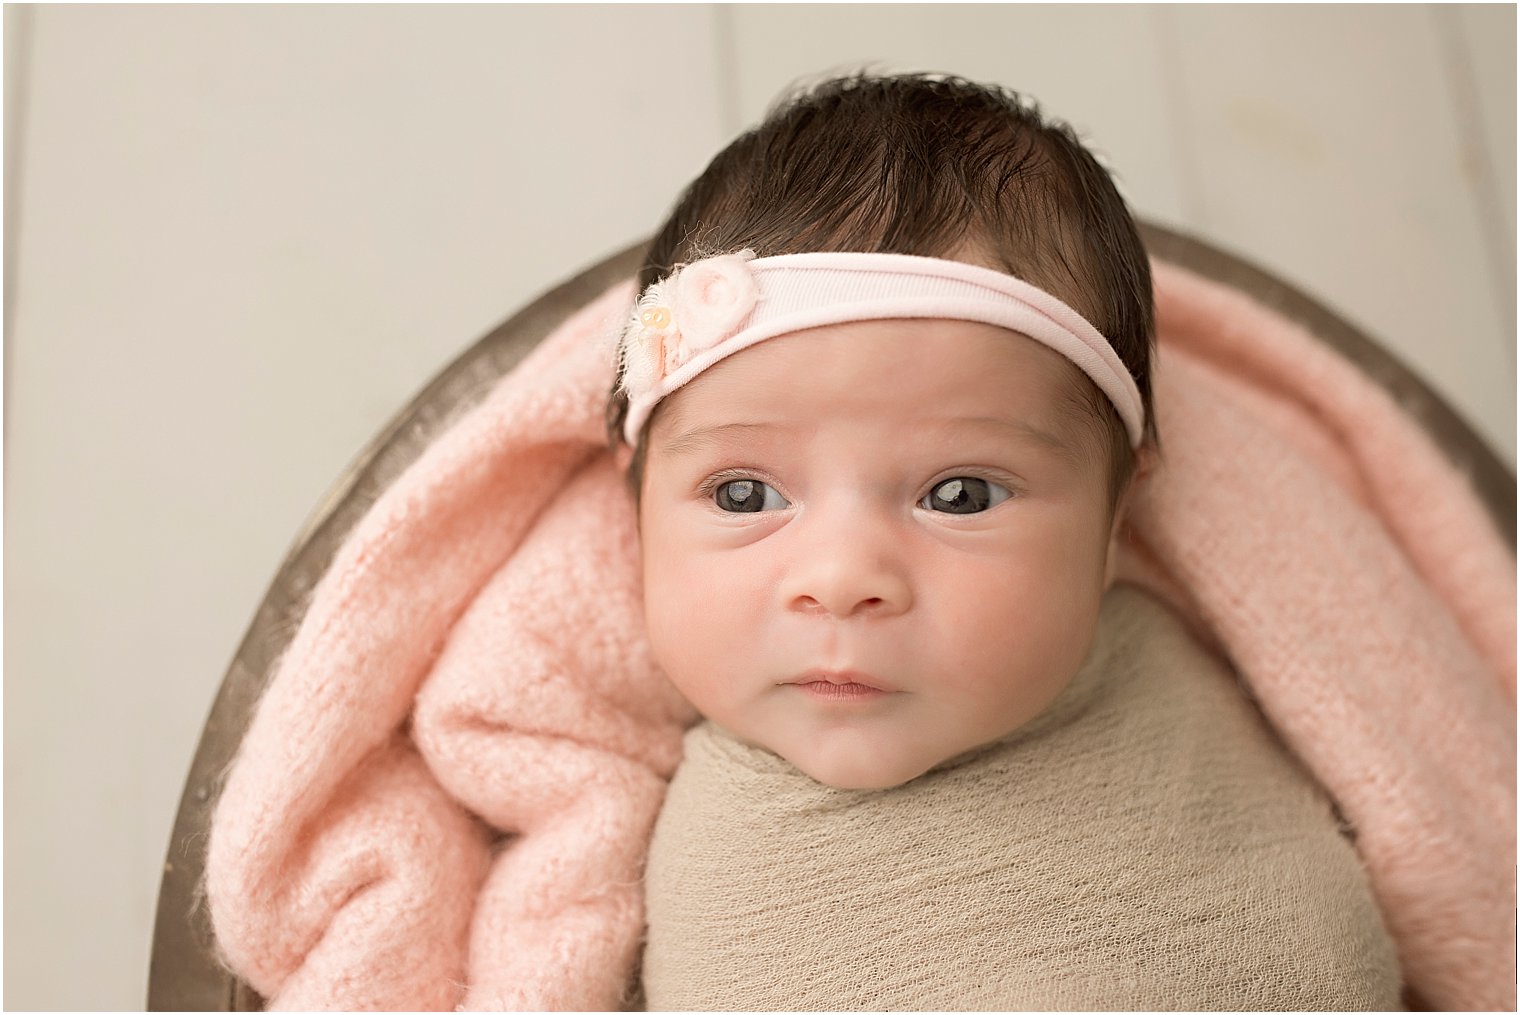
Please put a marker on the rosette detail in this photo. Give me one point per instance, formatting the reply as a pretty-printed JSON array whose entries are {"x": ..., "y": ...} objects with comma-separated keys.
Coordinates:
[{"x": 690, "y": 311}]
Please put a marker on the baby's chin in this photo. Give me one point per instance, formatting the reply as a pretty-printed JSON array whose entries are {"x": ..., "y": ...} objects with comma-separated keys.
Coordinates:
[
  {"x": 859, "y": 762},
  {"x": 862, "y": 780},
  {"x": 861, "y": 768}
]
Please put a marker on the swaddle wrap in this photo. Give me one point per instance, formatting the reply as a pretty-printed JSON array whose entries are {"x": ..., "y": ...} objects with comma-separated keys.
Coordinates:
[{"x": 1142, "y": 844}]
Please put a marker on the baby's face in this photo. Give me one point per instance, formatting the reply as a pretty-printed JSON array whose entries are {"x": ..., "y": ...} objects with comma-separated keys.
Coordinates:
[{"x": 871, "y": 547}]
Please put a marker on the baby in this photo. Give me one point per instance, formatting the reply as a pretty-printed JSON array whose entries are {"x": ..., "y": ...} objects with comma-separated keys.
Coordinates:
[{"x": 882, "y": 403}]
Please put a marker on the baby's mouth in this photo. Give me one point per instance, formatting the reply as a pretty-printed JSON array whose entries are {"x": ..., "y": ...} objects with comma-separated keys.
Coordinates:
[{"x": 840, "y": 685}]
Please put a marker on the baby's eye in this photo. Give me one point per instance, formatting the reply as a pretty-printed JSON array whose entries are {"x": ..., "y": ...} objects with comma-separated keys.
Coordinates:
[
  {"x": 747, "y": 495},
  {"x": 964, "y": 495}
]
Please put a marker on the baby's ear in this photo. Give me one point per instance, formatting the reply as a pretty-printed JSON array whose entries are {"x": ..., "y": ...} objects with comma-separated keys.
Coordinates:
[
  {"x": 1146, "y": 460},
  {"x": 1115, "y": 540},
  {"x": 1145, "y": 465}
]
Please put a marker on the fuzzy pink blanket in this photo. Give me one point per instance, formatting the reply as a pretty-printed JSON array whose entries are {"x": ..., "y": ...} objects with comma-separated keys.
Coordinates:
[{"x": 446, "y": 794}]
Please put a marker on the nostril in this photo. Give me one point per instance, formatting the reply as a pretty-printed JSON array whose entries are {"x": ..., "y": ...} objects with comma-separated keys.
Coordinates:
[
  {"x": 843, "y": 606},
  {"x": 809, "y": 604}
]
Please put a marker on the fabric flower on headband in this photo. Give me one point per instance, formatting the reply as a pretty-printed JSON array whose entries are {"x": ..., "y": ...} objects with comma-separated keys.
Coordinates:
[{"x": 691, "y": 310}]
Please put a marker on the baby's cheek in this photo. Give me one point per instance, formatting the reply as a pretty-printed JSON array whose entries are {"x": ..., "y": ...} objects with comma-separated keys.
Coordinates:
[
  {"x": 1018, "y": 632},
  {"x": 686, "y": 634}
]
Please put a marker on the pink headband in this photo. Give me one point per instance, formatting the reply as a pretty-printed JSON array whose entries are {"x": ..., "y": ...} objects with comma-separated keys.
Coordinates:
[{"x": 710, "y": 309}]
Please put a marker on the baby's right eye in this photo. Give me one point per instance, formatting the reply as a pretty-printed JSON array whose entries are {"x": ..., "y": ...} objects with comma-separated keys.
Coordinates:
[{"x": 747, "y": 496}]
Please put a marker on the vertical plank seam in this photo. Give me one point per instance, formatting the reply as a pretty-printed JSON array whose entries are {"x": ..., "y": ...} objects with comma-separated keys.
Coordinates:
[
  {"x": 1168, "y": 49},
  {"x": 725, "y": 50},
  {"x": 1475, "y": 152},
  {"x": 15, "y": 146}
]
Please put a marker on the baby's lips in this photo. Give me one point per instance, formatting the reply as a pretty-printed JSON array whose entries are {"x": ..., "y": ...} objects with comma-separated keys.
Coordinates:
[{"x": 842, "y": 677}]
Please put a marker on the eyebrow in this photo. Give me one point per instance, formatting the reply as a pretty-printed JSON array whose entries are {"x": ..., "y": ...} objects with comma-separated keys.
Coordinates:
[
  {"x": 1020, "y": 428},
  {"x": 1062, "y": 444},
  {"x": 704, "y": 437}
]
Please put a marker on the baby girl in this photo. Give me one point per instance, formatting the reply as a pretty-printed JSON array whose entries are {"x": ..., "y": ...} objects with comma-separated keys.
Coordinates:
[{"x": 883, "y": 403}]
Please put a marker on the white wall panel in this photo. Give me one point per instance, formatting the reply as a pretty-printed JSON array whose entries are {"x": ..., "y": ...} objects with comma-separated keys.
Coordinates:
[
  {"x": 250, "y": 234},
  {"x": 1324, "y": 145}
]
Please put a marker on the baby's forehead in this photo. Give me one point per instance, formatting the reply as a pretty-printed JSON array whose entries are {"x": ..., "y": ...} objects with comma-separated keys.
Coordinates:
[
  {"x": 1067, "y": 419},
  {"x": 908, "y": 371}
]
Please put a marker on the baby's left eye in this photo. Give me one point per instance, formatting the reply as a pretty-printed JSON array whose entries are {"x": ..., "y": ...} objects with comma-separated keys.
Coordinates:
[{"x": 964, "y": 495}]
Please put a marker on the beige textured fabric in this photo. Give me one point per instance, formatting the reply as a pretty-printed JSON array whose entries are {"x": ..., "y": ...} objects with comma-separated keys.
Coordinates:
[{"x": 1143, "y": 844}]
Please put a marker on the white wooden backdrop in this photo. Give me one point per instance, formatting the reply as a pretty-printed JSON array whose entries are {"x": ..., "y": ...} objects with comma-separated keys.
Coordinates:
[{"x": 239, "y": 238}]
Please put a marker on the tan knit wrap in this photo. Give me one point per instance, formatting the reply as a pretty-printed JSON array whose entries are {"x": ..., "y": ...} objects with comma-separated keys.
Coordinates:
[{"x": 1144, "y": 844}]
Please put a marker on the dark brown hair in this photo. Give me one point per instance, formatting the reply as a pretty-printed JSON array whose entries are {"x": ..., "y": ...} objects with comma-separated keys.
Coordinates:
[{"x": 932, "y": 165}]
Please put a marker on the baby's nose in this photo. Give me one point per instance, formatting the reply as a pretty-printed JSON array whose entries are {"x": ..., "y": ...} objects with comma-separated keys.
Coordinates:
[{"x": 848, "y": 568}]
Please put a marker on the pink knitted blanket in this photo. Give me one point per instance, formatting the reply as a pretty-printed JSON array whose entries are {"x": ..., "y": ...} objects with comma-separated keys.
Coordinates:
[{"x": 446, "y": 794}]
